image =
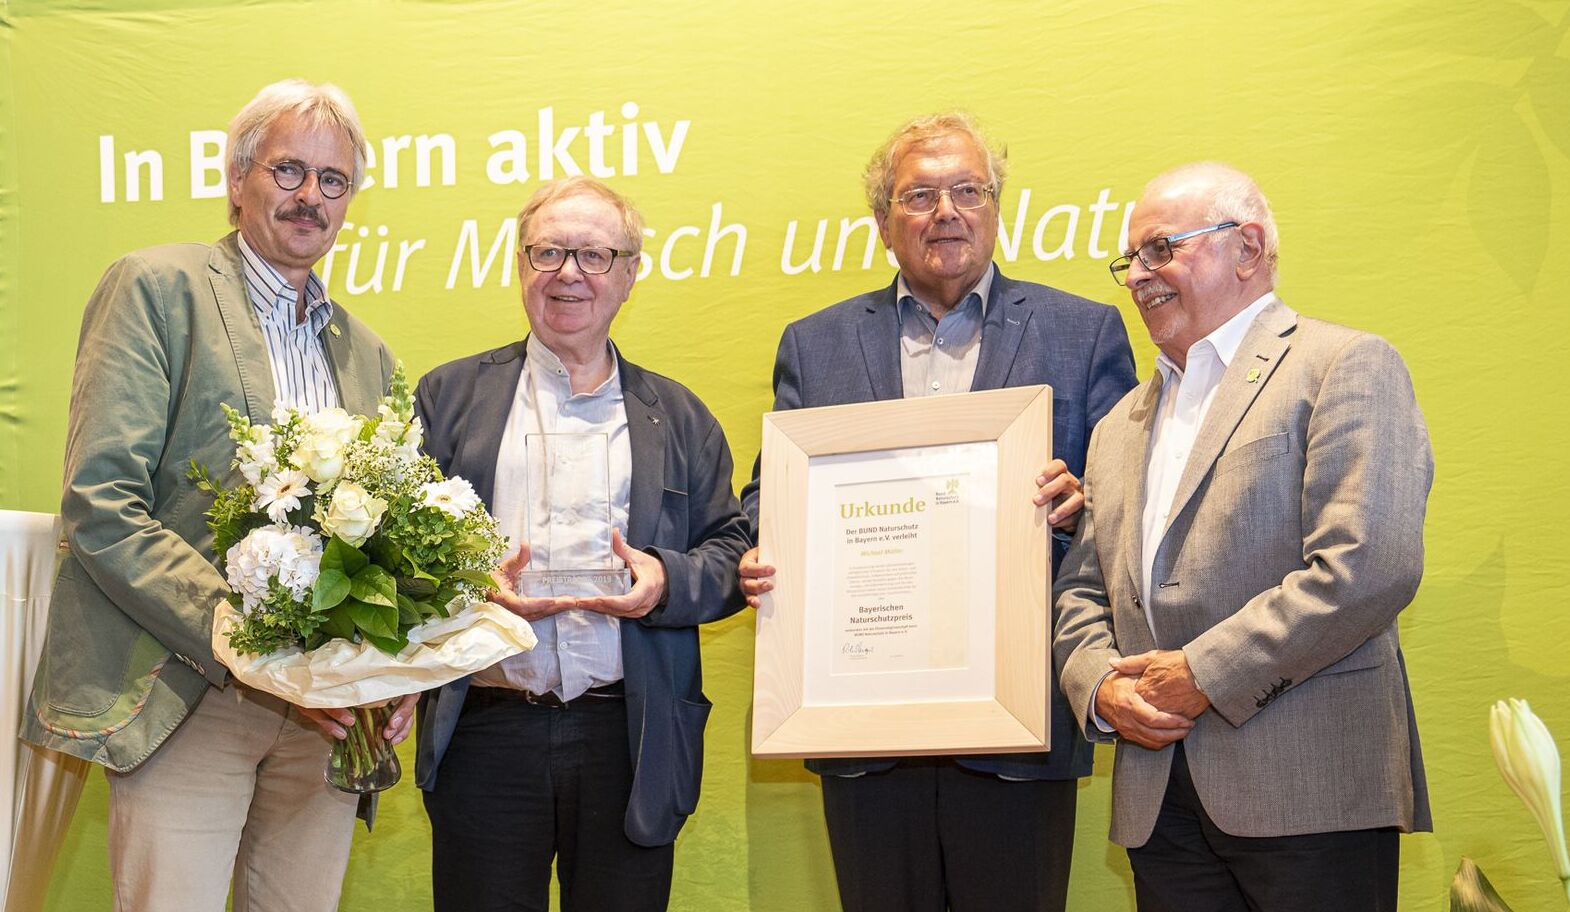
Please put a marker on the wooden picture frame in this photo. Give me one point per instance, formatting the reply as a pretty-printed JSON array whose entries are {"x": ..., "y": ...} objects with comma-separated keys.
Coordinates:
[{"x": 787, "y": 721}]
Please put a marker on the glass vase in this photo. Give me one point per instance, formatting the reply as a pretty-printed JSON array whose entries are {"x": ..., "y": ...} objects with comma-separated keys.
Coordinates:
[{"x": 364, "y": 761}]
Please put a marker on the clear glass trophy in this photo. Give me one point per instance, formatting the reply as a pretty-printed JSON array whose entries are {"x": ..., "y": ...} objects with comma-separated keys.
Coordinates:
[{"x": 569, "y": 531}]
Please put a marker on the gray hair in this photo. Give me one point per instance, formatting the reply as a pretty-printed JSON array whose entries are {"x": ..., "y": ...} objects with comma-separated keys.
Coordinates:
[
  {"x": 583, "y": 185},
  {"x": 879, "y": 176},
  {"x": 1234, "y": 197},
  {"x": 323, "y": 105}
]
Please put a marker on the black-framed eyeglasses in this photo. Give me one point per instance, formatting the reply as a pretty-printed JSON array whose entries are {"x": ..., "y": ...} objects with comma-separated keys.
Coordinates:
[
  {"x": 289, "y": 175},
  {"x": 1157, "y": 252},
  {"x": 922, "y": 200},
  {"x": 590, "y": 260}
]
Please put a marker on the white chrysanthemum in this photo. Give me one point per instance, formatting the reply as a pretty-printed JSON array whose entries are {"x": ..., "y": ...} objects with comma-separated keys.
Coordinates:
[
  {"x": 455, "y": 497},
  {"x": 291, "y": 553},
  {"x": 324, "y": 436},
  {"x": 280, "y": 492}
]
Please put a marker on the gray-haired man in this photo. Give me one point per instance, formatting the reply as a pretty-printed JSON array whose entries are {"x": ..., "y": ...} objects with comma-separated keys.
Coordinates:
[{"x": 206, "y": 777}]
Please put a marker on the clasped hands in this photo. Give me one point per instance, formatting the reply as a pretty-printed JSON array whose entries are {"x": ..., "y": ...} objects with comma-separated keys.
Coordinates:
[
  {"x": 648, "y": 587},
  {"x": 1151, "y": 698},
  {"x": 1055, "y": 485}
]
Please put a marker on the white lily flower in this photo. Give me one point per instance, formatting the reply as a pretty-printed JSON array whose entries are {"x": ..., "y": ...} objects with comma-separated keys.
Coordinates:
[
  {"x": 281, "y": 492},
  {"x": 1529, "y": 762}
]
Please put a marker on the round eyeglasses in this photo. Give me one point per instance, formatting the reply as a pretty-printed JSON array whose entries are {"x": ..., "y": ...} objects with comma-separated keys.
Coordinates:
[
  {"x": 590, "y": 260},
  {"x": 289, "y": 175},
  {"x": 1157, "y": 252}
]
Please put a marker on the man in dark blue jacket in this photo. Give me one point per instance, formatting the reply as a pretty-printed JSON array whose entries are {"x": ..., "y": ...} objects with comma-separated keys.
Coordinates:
[{"x": 978, "y": 832}]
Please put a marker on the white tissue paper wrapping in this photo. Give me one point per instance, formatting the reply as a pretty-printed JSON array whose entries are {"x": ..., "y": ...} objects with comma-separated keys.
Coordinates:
[{"x": 343, "y": 674}]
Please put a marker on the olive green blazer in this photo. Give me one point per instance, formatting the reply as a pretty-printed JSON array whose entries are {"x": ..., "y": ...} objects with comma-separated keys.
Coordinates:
[{"x": 168, "y": 335}]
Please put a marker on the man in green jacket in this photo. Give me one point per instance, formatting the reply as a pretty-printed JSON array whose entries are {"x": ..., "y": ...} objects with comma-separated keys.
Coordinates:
[{"x": 206, "y": 776}]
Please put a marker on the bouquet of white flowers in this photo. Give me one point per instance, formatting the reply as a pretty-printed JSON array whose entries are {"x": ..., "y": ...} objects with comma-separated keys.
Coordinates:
[{"x": 358, "y": 573}]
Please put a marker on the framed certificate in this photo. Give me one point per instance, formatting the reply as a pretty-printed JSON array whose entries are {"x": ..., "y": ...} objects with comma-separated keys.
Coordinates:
[{"x": 910, "y": 608}]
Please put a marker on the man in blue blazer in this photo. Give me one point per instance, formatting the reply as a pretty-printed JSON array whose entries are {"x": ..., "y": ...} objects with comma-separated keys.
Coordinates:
[
  {"x": 980, "y": 832},
  {"x": 588, "y": 749}
]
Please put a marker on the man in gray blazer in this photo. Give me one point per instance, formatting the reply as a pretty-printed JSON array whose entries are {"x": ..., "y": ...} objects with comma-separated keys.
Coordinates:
[
  {"x": 978, "y": 832},
  {"x": 1227, "y": 613},
  {"x": 207, "y": 778}
]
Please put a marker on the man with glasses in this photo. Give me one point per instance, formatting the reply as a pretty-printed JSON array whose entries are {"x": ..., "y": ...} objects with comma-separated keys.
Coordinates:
[
  {"x": 1227, "y": 614},
  {"x": 587, "y": 750},
  {"x": 207, "y": 778},
  {"x": 978, "y": 832}
]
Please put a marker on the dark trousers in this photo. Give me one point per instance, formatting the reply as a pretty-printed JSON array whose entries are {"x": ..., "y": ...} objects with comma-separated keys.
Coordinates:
[
  {"x": 1189, "y": 864},
  {"x": 520, "y": 784},
  {"x": 930, "y": 835}
]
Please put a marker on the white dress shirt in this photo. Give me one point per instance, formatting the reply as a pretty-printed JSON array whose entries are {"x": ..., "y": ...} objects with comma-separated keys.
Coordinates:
[
  {"x": 577, "y": 649},
  {"x": 1186, "y": 395}
]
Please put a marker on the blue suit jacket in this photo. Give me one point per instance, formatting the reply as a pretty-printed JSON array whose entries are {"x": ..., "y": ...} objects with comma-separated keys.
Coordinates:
[
  {"x": 682, "y": 510},
  {"x": 1031, "y": 334}
]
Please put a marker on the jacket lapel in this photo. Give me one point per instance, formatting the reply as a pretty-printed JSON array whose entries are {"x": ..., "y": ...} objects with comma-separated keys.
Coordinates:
[
  {"x": 495, "y": 385},
  {"x": 881, "y": 357},
  {"x": 1136, "y": 449},
  {"x": 354, "y": 396},
  {"x": 1001, "y": 330},
  {"x": 646, "y": 429},
  {"x": 243, "y": 328},
  {"x": 1264, "y": 345}
]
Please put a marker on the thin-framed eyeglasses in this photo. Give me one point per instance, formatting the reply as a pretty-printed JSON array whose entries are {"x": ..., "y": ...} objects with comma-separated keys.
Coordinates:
[
  {"x": 590, "y": 260},
  {"x": 289, "y": 175},
  {"x": 922, "y": 200},
  {"x": 1157, "y": 252}
]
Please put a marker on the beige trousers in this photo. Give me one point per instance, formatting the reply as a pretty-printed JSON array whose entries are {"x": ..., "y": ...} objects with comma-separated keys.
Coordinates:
[{"x": 236, "y": 790}]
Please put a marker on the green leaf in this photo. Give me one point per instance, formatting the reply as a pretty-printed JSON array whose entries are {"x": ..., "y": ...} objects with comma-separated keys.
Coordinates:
[
  {"x": 416, "y": 588},
  {"x": 375, "y": 585},
  {"x": 340, "y": 555},
  {"x": 409, "y": 612},
  {"x": 338, "y": 624},
  {"x": 1470, "y": 891},
  {"x": 482, "y": 580},
  {"x": 331, "y": 588},
  {"x": 391, "y": 645},
  {"x": 374, "y": 620}
]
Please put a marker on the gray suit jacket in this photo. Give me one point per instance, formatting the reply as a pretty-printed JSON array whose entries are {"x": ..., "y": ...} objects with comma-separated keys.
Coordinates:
[
  {"x": 682, "y": 510},
  {"x": 1031, "y": 334},
  {"x": 168, "y": 335},
  {"x": 1295, "y": 539}
]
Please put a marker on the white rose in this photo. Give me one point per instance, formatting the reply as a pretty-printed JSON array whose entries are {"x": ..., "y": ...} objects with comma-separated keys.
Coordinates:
[
  {"x": 354, "y": 513},
  {"x": 455, "y": 497},
  {"x": 324, "y": 436}
]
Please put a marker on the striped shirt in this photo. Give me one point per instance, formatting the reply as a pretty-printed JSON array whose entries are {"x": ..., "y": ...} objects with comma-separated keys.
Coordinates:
[{"x": 302, "y": 377}]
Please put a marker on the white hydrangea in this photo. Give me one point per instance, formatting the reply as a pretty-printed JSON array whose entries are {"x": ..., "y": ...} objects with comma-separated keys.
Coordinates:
[
  {"x": 293, "y": 554},
  {"x": 455, "y": 497}
]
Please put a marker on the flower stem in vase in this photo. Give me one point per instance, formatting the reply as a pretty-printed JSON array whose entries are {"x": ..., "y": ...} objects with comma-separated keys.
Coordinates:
[{"x": 364, "y": 761}]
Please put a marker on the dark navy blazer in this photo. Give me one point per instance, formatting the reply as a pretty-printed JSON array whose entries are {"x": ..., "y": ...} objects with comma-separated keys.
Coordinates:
[
  {"x": 682, "y": 510},
  {"x": 1031, "y": 334}
]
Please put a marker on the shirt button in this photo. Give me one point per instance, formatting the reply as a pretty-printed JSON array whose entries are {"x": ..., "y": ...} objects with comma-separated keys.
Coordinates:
[
  {"x": 940, "y": 340},
  {"x": 936, "y": 384}
]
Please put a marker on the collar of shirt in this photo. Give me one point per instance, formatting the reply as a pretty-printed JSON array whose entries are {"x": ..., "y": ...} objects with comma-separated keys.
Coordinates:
[
  {"x": 908, "y": 302},
  {"x": 548, "y": 372},
  {"x": 274, "y": 298},
  {"x": 1223, "y": 341}
]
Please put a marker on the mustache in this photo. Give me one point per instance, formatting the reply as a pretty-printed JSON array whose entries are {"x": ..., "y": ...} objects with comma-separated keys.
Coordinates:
[{"x": 301, "y": 210}]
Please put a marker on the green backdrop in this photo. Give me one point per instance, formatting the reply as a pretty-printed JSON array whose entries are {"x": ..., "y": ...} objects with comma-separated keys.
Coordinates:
[{"x": 1415, "y": 153}]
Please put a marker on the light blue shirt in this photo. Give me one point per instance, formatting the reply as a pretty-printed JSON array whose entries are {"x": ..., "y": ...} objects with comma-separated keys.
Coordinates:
[
  {"x": 937, "y": 357},
  {"x": 577, "y": 649}
]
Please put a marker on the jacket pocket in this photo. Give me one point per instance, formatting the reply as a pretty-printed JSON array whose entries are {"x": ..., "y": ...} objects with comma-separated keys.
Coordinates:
[
  {"x": 1253, "y": 452},
  {"x": 88, "y": 650},
  {"x": 692, "y": 717},
  {"x": 672, "y": 529}
]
